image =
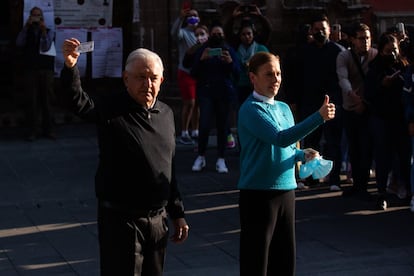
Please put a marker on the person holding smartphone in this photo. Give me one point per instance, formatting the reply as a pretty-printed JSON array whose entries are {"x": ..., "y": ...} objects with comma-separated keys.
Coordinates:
[
  {"x": 383, "y": 95},
  {"x": 34, "y": 39},
  {"x": 214, "y": 71}
]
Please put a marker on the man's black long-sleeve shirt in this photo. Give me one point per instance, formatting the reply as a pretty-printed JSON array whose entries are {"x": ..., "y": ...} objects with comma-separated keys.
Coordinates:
[{"x": 136, "y": 147}]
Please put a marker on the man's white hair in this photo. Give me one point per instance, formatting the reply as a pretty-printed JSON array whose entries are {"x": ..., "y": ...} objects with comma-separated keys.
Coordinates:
[{"x": 145, "y": 54}]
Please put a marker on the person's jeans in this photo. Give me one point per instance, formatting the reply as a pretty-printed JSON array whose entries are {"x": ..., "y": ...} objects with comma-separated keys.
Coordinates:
[
  {"x": 218, "y": 107},
  {"x": 359, "y": 139},
  {"x": 391, "y": 144},
  {"x": 39, "y": 88}
]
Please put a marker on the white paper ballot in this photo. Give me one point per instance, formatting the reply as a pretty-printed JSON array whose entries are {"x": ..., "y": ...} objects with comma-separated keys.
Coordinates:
[{"x": 85, "y": 47}]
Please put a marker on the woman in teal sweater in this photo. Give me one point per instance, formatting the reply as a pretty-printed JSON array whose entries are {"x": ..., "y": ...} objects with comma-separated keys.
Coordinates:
[{"x": 268, "y": 137}]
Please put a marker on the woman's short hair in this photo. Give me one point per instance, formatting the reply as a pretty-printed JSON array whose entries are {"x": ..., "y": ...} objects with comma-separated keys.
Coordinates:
[{"x": 259, "y": 59}]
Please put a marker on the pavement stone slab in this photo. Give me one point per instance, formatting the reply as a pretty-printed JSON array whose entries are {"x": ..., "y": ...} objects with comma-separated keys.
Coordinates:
[{"x": 48, "y": 216}]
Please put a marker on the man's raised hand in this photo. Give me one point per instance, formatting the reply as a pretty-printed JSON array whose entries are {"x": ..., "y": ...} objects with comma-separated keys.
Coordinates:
[{"x": 70, "y": 55}]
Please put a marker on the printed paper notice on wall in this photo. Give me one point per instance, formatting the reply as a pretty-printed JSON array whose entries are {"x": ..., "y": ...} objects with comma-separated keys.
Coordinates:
[{"x": 107, "y": 54}]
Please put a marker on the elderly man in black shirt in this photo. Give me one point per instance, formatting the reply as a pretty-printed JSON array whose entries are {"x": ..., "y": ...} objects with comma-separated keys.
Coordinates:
[{"x": 135, "y": 180}]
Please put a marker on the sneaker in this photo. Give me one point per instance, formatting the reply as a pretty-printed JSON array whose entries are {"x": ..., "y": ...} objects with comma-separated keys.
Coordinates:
[
  {"x": 194, "y": 135},
  {"x": 221, "y": 166},
  {"x": 199, "y": 164},
  {"x": 231, "y": 143},
  {"x": 382, "y": 203},
  {"x": 412, "y": 205},
  {"x": 335, "y": 188},
  {"x": 186, "y": 140}
]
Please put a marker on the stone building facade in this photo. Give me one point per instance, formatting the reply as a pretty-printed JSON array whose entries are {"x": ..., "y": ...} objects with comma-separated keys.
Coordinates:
[{"x": 156, "y": 17}]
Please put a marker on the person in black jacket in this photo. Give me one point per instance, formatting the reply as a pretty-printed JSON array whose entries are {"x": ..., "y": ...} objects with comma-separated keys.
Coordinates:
[
  {"x": 319, "y": 78},
  {"x": 383, "y": 94},
  {"x": 135, "y": 182}
]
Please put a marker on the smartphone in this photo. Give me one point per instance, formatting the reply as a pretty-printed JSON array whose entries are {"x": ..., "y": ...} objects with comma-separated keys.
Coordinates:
[
  {"x": 215, "y": 52},
  {"x": 400, "y": 27},
  {"x": 186, "y": 6}
]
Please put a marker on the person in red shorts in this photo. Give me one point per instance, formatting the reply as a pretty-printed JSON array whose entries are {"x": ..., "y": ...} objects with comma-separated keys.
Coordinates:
[{"x": 183, "y": 32}]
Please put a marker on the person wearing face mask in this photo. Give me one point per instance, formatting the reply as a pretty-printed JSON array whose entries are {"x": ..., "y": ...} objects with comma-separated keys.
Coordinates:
[
  {"x": 201, "y": 33},
  {"x": 383, "y": 94},
  {"x": 183, "y": 32},
  {"x": 214, "y": 68},
  {"x": 33, "y": 39},
  {"x": 319, "y": 78}
]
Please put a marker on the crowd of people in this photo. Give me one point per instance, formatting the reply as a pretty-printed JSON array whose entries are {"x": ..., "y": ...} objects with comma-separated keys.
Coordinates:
[
  {"x": 372, "y": 129},
  {"x": 218, "y": 68},
  {"x": 340, "y": 63},
  {"x": 335, "y": 91}
]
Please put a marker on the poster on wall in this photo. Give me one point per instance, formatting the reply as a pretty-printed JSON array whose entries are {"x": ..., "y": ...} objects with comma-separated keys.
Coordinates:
[
  {"x": 78, "y": 18},
  {"x": 83, "y": 13},
  {"x": 72, "y": 13},
  {"x": 107, "y": 55},
  {"x": 64, "y": 33}
]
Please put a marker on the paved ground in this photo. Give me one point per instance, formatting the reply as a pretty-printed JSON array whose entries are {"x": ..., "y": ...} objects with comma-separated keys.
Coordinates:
[{"x": 48, "y": 226}]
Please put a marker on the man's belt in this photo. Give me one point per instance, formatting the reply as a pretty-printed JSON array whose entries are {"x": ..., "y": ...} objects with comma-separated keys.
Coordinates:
[{"x": 131, "y": 210}]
